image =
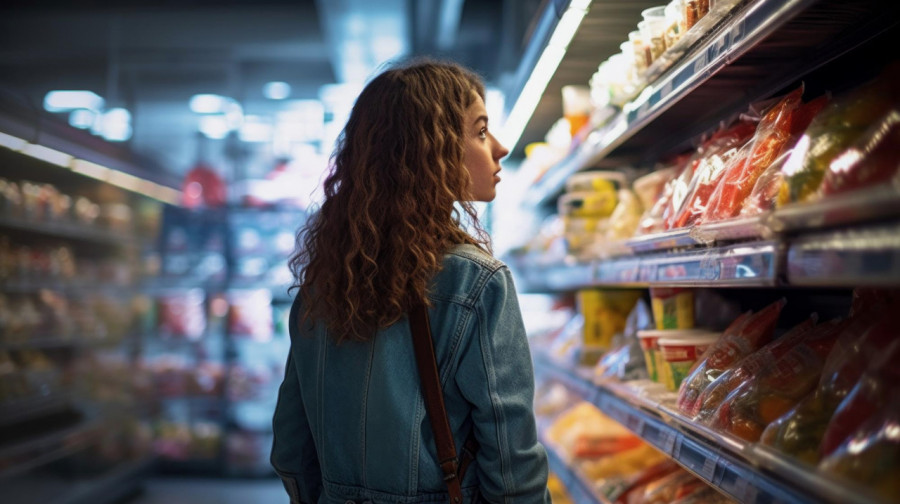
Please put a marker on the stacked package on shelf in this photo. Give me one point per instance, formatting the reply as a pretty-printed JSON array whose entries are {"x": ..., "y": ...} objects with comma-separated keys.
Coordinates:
[
  {"x": 782, "y": 152},
  {"x": 621, "y": 466},
  {"x": 598, "y": 211}
]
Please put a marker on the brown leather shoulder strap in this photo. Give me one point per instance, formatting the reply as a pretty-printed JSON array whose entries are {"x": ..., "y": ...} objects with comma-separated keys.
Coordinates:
[{"x": 434, "y": 400}]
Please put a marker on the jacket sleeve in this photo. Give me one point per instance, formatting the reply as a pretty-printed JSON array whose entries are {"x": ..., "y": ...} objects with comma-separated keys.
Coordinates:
[
  {"x": 496, "y": 376},
  {"x": 294, "y": 455}
]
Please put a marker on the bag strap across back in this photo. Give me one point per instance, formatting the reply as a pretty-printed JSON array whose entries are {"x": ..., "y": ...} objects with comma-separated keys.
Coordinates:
[{"x": 453, "y": 467}]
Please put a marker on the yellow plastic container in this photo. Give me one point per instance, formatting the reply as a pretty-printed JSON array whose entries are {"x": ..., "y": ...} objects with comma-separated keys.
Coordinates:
[
  {"x": 673, "y": 307},
  {"x": 605, "y": 313},
  {"x": 681, "y": 352}
]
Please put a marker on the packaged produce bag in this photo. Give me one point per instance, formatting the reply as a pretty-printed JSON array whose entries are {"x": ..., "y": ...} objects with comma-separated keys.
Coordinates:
[
  {"x": 745, "y": 335},
  {"x": 800, "y": 431},
  {"x": 726, "y": 148},
  {"x": 773, "y": 391},
  {"x": 873, "y": 159},
  {"x": 744, "y": 369},
  {"x": 626, "y": 360},
  {"x": 773, "y": 136},
  {"x": 870, "y": 457},
  {"x": 839, "y": 124}
]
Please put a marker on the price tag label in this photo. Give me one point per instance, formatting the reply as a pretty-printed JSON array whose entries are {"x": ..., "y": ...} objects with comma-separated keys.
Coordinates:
[
  {"x": 700, "y": 62},
  {"x": 709, "y": 468},
  {"x": 668, "y": 442}
]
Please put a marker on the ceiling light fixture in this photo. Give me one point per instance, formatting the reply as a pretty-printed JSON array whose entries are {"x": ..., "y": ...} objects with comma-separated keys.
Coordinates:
[
  {"x": 64, "y": 101},
  {"x": 207, "y": 104},
  {"x": 277, "y": 90},
  {"x": 543, "y": 70}
]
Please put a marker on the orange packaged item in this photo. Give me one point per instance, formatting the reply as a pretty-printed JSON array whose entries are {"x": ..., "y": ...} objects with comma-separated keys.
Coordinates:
[
  {"x": 770, "y": 393},
  {"x": 744, "y": 336},
  {"x": 713, "y": 395},
  {"x": 633, "y": 491}
]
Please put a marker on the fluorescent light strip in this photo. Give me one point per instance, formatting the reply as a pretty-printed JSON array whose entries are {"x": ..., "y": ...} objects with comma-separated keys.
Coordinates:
[
  {"x": 543, "y": 71},
  {"x": 47, "y": 154},
  {"x": 96, "y": 171},
  {"x": 11, "y": 142}
]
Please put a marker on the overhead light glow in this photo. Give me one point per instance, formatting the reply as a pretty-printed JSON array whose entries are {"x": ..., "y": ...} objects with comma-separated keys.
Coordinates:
[
  {"x": 234, "y": 114},
  {"x": 255, "y": 129},
  {"x": 47, "y": 154},
  {"x": 208, "y": 104},
  {"x": 543, "y": 70},
  {"x": 277, "y": 90},
  {"x": 116, "y": 125},
  {"x": 82, "y": 118},
  {"x": 214, "y": 126},
  {"x": 64, "y": 101},
  {"x": 11, "y": 142}
]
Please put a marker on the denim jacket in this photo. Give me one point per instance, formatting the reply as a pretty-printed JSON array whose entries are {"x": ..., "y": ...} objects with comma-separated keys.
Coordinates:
[{"x": 350, "y": 424}]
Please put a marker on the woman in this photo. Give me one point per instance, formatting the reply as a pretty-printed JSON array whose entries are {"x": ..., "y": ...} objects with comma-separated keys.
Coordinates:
[{"x": 350, "y": 423}]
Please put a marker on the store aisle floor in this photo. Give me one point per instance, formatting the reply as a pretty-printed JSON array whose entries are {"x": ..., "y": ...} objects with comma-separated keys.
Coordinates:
[{"x": 210, "y": 491}]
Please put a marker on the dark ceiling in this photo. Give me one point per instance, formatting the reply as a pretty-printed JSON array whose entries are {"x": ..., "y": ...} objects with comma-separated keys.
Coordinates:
[{"x": 151, "y": 57}]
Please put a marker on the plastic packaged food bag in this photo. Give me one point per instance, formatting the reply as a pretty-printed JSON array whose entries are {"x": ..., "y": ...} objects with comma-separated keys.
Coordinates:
[
  {"x": 773, "y": 135},
  {"x": 713, "y": 395},
  {"x": 726, "y": 148},
  {"x": 870, "y": 457},
  {"x": 838, "y": 125},
  {"x": 800, "y": 431},
  {"x": 626, "y": 361},
  {"x": 873, "y": 159},
  {"x": 770, "y": 393},
  {"x": 744, "y": 336},
  {"x": 876, "y": 388}
]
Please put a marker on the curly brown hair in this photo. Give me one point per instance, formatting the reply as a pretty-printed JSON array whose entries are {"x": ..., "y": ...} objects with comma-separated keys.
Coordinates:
[{"x": 394, "y": 201}]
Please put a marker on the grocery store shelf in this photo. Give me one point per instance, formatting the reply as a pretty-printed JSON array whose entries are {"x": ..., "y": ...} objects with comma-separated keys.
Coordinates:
[
  {"x": 42, "y": 449},
  {"x": 853, "y": 257},
  {"x": 78, "y": 232},
  {"x": 579, "y": 489},
  {"x": 20, "y": 410},
  {"x": 751, "y": 54},
  {"x": 57, "y": 342},
  {"x": 732, "y": 466},
  {"x": 111, "y": 487},
  {"x": 76, "y": 288},
  {"x": 752, "y": 264}
]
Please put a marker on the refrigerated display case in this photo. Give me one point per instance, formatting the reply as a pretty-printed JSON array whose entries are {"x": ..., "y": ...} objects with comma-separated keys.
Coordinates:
[
  {"x": 218, "y": 341},
  {"x": 812, "y": 246}
]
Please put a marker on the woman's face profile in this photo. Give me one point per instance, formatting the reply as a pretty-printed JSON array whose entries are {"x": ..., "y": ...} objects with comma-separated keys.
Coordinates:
[{"x": 483, "y": 153}]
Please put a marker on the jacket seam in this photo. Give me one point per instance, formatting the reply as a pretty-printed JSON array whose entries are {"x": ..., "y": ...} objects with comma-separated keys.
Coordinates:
[{"x": 365, "y": 415}]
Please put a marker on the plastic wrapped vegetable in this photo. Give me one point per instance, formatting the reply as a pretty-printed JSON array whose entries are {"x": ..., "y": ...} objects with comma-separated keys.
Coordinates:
[
  {"x": 799, "y": 432},
  {"x": 831, "y": 132},
  {"x": 744, "y": 336},
  {"x": 873, "y": 159},
  {"x": 774, "y": 135},
  {"x": 769, "y": 394},
  {"x": 713, "y": 395},
  {"x": 870, "y": 457},
  {"x": 875, "y": 388},
  {"x": 727, "y": 148}
]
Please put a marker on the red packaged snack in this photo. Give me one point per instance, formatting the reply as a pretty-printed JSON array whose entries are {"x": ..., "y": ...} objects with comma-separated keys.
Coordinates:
[
  {"x": 713, "y": 395},
  {"x": 744, "y": 336},
  {"x": 873, "y": 159},
  {"x": 634, "y": 491},
  {"x": 770, "y": 393},
  {"x": 724, "y": 149},
  {"x": 778, "y": 130}
]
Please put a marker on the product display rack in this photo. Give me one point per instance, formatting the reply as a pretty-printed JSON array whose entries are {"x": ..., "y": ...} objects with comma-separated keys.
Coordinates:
[
  {"x": 235, "y": 260},
  {"x": 752, "y": 52},
  {"x": 741, "y": 470},
  {"x": 72, "y": 252}
]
